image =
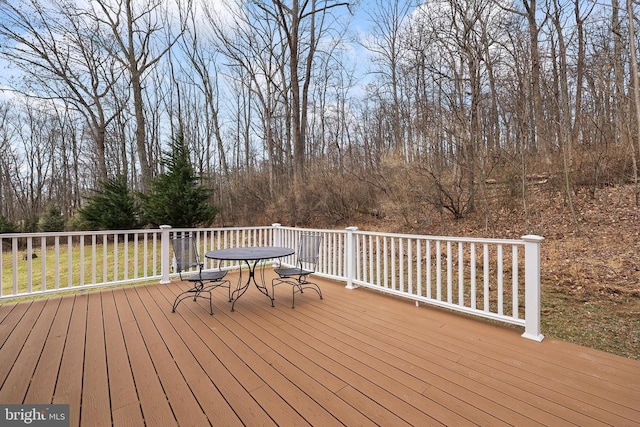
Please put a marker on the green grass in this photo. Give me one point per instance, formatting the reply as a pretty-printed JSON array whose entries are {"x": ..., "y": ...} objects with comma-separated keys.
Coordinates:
[
  {"x": 75, "y": 266},
  {"x": 610, "y": 326}
]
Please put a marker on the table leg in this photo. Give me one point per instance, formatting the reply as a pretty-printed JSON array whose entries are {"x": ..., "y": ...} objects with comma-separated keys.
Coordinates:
[{"x": 235, "y": 295}]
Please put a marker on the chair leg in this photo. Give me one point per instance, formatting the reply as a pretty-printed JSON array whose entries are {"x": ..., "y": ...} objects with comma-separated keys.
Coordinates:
[
  {"x": 197, "y": 290},
  {"x": 302, "y": 285},
  {"x": 273, "y": 292},
  {"x": 275, "y": 282},
  {"x": 293, "y": 292},
  {"x": 297, "y": 285}
]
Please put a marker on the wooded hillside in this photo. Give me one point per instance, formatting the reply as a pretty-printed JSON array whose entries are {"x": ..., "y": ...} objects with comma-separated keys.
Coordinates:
[{"x": 435, "y": 104}]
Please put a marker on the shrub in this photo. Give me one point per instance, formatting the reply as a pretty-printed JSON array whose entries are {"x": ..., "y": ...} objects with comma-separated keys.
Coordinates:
[
  {"x": 112, "y": 207},
  {"x": 52, "y": 220},
  {"x": 7, "y": 226}
]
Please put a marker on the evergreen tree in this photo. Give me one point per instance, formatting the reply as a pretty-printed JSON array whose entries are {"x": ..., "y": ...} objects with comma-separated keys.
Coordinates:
[
  {"x": 52, "y": 220},
  {"x": 30, "y": 224},
  {"x": 112, "y": 207},
  {"x": 176, "y": 197},
  {"x": 7, "y": 226}
]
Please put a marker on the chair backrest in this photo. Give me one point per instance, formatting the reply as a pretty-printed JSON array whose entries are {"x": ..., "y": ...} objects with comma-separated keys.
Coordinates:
[
  {"x": 308, "y": 251},
  {"x": 185, "y": 252}
]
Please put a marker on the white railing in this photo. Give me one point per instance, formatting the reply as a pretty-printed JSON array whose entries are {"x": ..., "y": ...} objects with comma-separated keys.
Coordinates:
[
  {"x": 497, "y": 279},
  {"x": 34, "y": 263},
  {"x": 38, "y": 263}
]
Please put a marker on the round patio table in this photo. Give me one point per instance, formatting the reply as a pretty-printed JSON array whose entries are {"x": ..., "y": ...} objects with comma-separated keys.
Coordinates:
[{"x": 252, "y": 257}]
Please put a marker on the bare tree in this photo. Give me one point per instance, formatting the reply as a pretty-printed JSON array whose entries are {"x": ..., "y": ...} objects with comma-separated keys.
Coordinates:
[
  {"x": 389, "y": 22},
  {"x": 618, "y": 70},
  {"x": 457, "y": 39},
  {"x": 203, "y": 63},
  {"x": 302, "y": 22},
  {"x": 537, "y": 130},
  {"x": 58, "y": 50},
  {"x": 140, "y": 35},
  {"x": 29, "y": 161},
  {"x": 635, "y": 87},
  {"x": 563, "y": 121},
  {"x": 249, "y": 40},
  {"x": 7, "y": 196}
]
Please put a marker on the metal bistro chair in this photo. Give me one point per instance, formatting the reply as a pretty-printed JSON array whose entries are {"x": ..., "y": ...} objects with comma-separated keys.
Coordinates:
[
  {"x": 186, "y": 255},
  {"x": 307, "y": 259}
]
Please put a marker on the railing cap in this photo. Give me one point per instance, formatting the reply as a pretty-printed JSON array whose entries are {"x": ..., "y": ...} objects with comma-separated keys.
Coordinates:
[{"x": 532, "y": 238}]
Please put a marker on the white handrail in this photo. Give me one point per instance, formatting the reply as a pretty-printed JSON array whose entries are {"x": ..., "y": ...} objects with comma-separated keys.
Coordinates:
[{"x": 477, "y": 276}]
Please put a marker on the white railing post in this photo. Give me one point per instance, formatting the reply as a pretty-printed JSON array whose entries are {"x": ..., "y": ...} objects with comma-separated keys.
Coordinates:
[
  {"x": 277, "y": 231},
  {"x": 277, "y": 241},
  {"x": 532, "y": 286},
  {"x": 165, "y": 255},
  {"x": 350, "y": 257}
]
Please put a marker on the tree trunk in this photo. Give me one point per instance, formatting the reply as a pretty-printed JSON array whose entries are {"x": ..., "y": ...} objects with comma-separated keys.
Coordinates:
[
  {"x": 538, "y": 136},
  {"x": 146, "y": 173},
  {"x": 636, "y": 97}
]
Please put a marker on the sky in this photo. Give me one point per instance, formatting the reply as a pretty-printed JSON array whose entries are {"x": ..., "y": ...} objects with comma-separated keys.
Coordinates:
[{"x": 360, "y": 25}]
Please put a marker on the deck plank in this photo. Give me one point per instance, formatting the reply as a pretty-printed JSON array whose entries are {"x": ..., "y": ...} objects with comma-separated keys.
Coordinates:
[
  {"x": 125, "y": 406},
  {"x": 70, "y": 375},
  {"x": 222, "y": 369},
  {"x": 43, "y": 383},
  {"x": 155, "y": 407},
  {"x": 18, "y": 325},
  {"x": 526, "y": 359},
  {"x": 357, "y": 357},
  {"x": 465, "y": 386},
  {"x": 15, "y": 388},
  {"x": 241, "y": 359},
  {"x": 481, "y": 389},
  {"x": 186, "y": 410},
  {"x": 188, "y": 359},
  {"x": 558, "y": 380},
  {"x": 315, "y": 381},
  {"x": 10, "y": 316},
  {"x": 344, "y": 361},
  {"x": 307, "y": 354},
  {"x": 96, "y": 405},
  {"x": 408, "y": 392}
]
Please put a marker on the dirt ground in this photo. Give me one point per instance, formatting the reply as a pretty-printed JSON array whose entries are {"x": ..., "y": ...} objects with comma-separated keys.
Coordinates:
[
  {"x": 591, "y": 277},
  {"x": 590, "y": 266}
]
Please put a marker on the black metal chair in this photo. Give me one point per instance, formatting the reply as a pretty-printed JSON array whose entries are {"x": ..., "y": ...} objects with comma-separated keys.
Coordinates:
[
  {"x": 186, "y": 255},
  {"x": 307, "y": 260}
]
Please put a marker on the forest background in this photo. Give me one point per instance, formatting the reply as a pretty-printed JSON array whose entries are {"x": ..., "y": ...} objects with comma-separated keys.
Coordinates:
[{"x": 486, "y": 118}]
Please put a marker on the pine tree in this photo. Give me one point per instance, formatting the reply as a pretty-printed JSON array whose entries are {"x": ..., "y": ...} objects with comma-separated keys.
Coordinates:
[
  {"x": 176, "y": 197},
  {"x": 7, "y": 226},
  {"x": 52, "y": 219},
  {"x": 112, "y": 207}
]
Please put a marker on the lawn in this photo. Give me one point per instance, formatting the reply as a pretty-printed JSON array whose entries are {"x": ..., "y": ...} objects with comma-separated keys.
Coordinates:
[{"x": 74, "y": 263}]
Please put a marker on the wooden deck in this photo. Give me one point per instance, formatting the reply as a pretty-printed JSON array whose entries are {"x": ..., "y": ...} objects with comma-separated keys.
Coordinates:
[{"x": 120, "y": 357}]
